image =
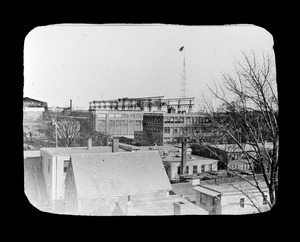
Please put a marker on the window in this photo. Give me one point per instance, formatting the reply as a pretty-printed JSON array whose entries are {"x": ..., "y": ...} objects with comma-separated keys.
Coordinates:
[
  {"x": 203, "y": 198},
  {"x": 210, "y": 167},
  {"x": 178, "y": 170},
  {"x": 187, "y": 170},
  {"x": 66, "y": 164},
  {"x": 214, "y": 201},
  {"x": 202, "y": 168},
  {"x": 242, "y": 202},
  {"x": 42, "y": 162},
  {"x": 49, "y": 165},
  {"x": 194, "y": 169},
  {"x": 265, "y": 199},
  {"x": 167, "y": 130}
]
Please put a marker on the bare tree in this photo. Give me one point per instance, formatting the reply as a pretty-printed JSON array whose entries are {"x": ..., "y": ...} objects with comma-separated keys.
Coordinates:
[
  {"x": 247, "y": 113},
  {"x": 68, "y": 132}
]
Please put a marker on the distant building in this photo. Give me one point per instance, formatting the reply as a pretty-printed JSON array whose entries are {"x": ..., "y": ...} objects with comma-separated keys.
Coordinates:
[
  {"x": 164, "y": 128},
  {"x": 117, "y": 123},
  {"x": 229, "y": 154},
  {"x": 124, "y": 116},
  {"x": 231, "y": 198},
  {"x": 33, "y": 115},
  {"x": 33, "y": 109},
  {"x": 195, "y": 166},
  {"x": 29, "y": 103}
]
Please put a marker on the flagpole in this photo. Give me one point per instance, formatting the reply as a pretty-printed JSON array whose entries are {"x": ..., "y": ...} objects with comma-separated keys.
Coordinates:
[
  {"x": 55, "y": 131},
  {"x": 184, "y": 71}
]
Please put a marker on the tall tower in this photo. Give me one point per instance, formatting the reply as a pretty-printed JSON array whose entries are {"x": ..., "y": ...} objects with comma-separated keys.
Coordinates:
[{"x": 183, "y": 91}]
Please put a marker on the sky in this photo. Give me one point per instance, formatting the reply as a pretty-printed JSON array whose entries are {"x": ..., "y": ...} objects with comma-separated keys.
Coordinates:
[{"x": 93, "y": 62}]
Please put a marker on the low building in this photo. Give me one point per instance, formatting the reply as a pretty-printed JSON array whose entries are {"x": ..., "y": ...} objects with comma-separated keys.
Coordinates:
[
  {"x": 230, "y": 155},
  {"x": 54, "y": 164},
  {"x": 129, "y": 183},
  {"x": 194, "y": 165},
  {"x": 231, "y": 198}
]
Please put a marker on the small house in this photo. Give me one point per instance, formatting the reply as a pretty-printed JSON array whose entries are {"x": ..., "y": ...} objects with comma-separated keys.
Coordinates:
[{"x": 231, "y": 198}]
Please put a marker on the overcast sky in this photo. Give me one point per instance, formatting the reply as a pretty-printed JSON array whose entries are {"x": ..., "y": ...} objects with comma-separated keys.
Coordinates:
[{"x": 88, "y": 62}]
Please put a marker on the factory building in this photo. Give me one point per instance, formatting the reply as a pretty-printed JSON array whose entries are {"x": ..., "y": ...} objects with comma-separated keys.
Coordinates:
[
  {"x": 124, "y": 116},
  {"x": 162, "y": 128}
]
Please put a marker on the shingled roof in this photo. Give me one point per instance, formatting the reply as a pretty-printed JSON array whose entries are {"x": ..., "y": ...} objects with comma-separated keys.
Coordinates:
[{"x": 115, "y": 174}]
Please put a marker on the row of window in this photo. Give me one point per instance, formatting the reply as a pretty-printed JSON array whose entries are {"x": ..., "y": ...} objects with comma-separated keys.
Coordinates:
[
  {"x": 175, "y": 139},
  {"x": 180, "y": 130},
  {"x": 195, "y": 169},
  {"x": 153, "y": 119},
  {"x": 119, "y": 115},
  {"x": 154, "y": 129},
  {"x": 242, "y": 201},
  {"x": 243, "y": 166},
  {"x": 188, "y": 120},
  {"x": 173, "y": 120}
]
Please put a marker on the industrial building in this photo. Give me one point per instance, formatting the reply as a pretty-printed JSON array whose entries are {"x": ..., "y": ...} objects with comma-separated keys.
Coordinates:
[
  {"x": 163, "y": 127},
  {"x": 124, "y": 116}
]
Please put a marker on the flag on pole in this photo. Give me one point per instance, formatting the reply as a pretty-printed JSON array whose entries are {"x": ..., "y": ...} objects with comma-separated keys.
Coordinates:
[{"x": 181, "y": 48}]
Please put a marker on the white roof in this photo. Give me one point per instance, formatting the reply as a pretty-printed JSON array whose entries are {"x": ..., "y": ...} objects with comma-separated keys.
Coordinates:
[
  {"x": 126, "y": 173},
  {"x": 207, "y": 191}
]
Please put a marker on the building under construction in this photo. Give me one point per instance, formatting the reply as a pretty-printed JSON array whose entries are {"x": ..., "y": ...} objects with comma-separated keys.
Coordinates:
[{"x": 124, "y": 116}]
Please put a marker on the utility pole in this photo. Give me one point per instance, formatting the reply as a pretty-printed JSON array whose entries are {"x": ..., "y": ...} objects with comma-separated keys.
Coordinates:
[{"x": 54, "y": 122}]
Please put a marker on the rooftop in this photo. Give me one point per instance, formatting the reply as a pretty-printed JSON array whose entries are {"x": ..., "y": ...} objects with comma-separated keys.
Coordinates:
[
  {"x": 31, "y": 153},
  {"x": 229, "y": 188},
  {"x": 183, "y": 189},
  {"x": 165, "y": 147},
  {"x": 236, "y": 148},
  {"x": 171, "y": 157},
  {"x": 124, "y": 173},
  {"x": 77, "y": 150},
  {"x": 164, "y": 206}
]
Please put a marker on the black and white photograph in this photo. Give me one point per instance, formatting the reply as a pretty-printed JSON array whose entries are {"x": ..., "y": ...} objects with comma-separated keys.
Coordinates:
[{"x": 150, "y": 119}]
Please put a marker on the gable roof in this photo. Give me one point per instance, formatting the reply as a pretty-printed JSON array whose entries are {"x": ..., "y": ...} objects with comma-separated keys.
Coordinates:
[{"x": 115, "y": 174}]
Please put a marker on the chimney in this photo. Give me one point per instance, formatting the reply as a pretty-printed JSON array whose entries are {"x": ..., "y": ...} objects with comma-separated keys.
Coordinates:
[
  {"x": 177, "y": 207},
  {"x": 129, "y": 206},
  {"x": 183, "y": 156},
  {"x": 71, "y": 104},
  {"x": 90, "y": 143},
  {"x": 115, "y": 145}
]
